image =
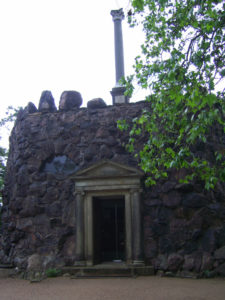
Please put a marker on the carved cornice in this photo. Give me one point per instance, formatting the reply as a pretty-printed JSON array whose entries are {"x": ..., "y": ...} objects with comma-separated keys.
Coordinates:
[{"x": 117, "y": 14}]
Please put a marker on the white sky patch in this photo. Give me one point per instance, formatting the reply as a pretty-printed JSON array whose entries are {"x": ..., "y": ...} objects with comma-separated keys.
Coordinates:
[{"x": 60, "y": 45}]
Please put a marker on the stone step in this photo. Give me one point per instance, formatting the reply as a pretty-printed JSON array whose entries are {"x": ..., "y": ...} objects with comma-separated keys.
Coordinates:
[
  {"x": 96, "y": 273},
  {"x": 107, "y": 271},
  {"x": 6, "y": 271},
  {"x": 6, "y": 266}
]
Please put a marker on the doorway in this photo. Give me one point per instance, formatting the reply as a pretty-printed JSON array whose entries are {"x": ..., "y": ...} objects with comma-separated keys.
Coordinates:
[{"x": 109, "y": 229}]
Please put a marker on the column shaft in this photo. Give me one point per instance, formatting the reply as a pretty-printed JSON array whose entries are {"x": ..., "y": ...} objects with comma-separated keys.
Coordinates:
[
  {"x": 119, "y": 58},
  {"x": 79, "y": 228},
  {"x": 137, "y": 228},
  {"x": 118, "y": 16}
]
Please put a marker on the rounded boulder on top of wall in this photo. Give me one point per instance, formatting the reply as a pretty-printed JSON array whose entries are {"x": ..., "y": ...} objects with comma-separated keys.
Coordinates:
[
  {"x": 70, "y": 100},
  {"x": 47, "y": 102}
]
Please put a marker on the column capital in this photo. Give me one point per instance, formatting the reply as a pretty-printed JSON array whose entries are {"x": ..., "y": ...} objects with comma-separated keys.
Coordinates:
[
  {"x": 79, "y": 192},
  {"x": 136, "y": 190},
  {"x": 117, "y": 14}
]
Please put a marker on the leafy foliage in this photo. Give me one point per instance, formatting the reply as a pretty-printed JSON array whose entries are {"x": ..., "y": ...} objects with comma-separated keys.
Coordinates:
[
  {"x": 182, "y": 67},
  {"x": 53, "y": 272},
  {"x": 3, "y": 156},
  {"x": 10, "y": 116}
]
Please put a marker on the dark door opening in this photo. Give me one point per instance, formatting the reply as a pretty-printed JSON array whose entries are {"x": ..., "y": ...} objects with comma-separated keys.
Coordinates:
[{"x": 109, "y": 229}]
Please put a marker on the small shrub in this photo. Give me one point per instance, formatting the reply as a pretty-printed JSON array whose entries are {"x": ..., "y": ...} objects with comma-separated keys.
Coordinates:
[
  {"x": 53, "y": 272},
  {"x": 208, "y": 274}
]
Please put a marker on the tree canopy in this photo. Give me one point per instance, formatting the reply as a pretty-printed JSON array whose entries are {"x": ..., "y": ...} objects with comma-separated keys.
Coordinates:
[{"x": 182, "y": 66}]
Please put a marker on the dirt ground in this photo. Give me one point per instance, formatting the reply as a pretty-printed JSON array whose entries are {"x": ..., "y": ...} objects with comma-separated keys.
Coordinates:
[{"x": 141, "y": 288}]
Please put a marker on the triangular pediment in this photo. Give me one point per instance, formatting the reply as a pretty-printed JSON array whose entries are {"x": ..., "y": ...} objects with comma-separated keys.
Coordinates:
[{"x": 108, "y": 169}]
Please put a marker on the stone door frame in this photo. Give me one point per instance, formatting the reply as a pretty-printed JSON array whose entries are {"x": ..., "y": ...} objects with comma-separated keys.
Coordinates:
[{"x": 103, "y": 180}]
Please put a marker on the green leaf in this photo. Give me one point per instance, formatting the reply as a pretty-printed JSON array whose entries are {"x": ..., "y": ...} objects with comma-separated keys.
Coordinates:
[{"x": 138, "y": 4}]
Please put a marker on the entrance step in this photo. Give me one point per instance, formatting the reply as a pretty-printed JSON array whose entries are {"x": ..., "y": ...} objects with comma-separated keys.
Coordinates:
[
  {"x": 104, "y": 271},
  {"x": 6, "y": 271}
]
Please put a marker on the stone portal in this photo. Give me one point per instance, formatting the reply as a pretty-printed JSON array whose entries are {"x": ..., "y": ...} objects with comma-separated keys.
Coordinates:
[{"x": 108, "y": 214}]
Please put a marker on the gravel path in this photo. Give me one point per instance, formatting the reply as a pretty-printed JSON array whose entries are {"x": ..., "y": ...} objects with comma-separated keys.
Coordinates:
[{"x": 141, "y": 288}]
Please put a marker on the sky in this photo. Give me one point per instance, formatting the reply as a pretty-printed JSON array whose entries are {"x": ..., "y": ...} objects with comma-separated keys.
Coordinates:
[{"x": 60, "y": 45}]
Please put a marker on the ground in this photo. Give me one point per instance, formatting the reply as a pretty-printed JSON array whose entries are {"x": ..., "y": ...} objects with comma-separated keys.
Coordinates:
[{"x": 141, "y": 288}]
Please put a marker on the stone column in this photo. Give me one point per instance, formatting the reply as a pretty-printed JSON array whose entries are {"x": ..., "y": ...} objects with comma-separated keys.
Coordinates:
[
  {"x": 137, "y": 228},
  {"x": 79, "y": 229},
  {"x": 128, "y": 220},
  {"x": 118, "y": 91},
  {"x": 89, "y": 231},
  {"x": 118, "y": 16}
]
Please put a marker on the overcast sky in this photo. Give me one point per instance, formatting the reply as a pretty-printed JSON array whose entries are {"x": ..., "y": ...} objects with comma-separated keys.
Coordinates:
[{"x": 60, "y": 45}]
